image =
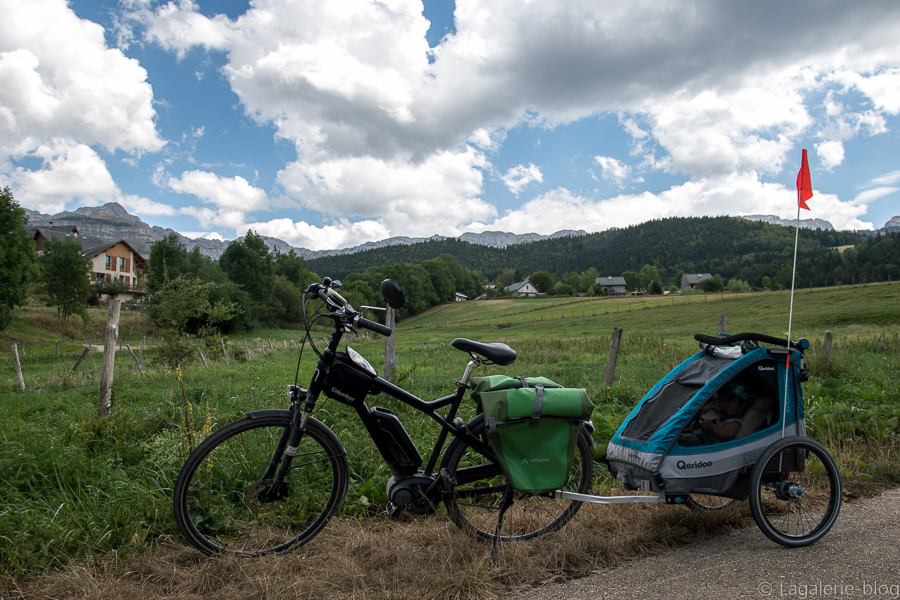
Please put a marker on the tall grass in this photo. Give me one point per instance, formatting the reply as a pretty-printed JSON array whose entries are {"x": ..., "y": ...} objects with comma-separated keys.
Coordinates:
[{"x": 77, "y": 486}]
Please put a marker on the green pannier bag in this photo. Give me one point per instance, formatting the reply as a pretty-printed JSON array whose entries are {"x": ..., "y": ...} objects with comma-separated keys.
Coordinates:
[{"x": 532, "y": 425}]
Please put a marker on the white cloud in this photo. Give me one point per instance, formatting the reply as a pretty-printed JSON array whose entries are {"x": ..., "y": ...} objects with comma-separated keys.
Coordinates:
[
  {"x": 735, "y": 194},
  {"x": 613, "y": 169},
  {"x": 340, "y": 234},
  {"x": 60, "y": 80},
  {"x": 519, "y": 177},
  {"x": 873, "y": 194},
  {"x": 886, "y": 179},
  {"x": 384, "y": 136},
  {"x": 232, "y": 197},
  {"x": 408, "y": 198},
  {"x": 831, "y": 154},
  {"x": 65, "y": 92}
]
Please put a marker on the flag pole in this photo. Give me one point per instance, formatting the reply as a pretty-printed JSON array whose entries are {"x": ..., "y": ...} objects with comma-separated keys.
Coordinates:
[{"x": 803, "y": 185}]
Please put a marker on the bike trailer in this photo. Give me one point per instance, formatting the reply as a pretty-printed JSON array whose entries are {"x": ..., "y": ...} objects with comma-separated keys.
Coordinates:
[
  {"x": 662, "y": 447},
  {"x": 532, "y": 425}
]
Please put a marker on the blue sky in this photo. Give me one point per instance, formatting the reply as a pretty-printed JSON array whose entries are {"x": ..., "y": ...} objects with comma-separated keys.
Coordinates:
[{"x": 331, "y": 124}]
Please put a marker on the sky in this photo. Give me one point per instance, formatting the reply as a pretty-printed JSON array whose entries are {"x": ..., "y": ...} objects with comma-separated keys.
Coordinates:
[{"x": 329, "y": 124}]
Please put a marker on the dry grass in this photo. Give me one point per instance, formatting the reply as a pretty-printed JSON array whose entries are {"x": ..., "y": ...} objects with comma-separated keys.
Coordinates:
[
  {"x": 40, "y": 323},
  {"x": 381, "y": 559}
]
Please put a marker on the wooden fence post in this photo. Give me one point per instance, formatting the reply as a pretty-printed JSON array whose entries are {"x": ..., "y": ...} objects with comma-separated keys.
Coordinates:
[
  {"x": 247, "y": 348},
  {"x": 224, "y": 353},
  {"x": 57, "y": 350},
  {"x": 203, "y": 358},
  {"x": 613, "y": 357},
  {"x": 390, "y": 357},
  {"x": 826, "y": 346},
  {"x": 80, "y": 358},
  {"x": 722, "y": 324},
  {"x": 18, "y": 368},
  {"x": 135, "y": 359},
  {"x": 109, "y": 357}
]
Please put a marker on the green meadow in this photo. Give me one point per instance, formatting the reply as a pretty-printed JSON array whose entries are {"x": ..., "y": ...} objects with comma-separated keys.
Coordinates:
[{"x": 76, "y": 486}]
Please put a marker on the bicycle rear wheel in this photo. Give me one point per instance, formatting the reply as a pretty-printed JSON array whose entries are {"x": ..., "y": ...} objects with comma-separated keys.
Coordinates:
[
  {"x": 219, "y": 497},
  {"x": 475, "y": 503},
  {"x": 795, "y": 491}
]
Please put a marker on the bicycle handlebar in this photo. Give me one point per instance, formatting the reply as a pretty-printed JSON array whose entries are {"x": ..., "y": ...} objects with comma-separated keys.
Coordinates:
[
  {"x": 373, "y": 326},
  {"x": 341, "y": 309}
]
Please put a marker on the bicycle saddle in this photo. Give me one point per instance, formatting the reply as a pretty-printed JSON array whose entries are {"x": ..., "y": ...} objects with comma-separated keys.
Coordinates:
[{"x": 497, "y": 353}]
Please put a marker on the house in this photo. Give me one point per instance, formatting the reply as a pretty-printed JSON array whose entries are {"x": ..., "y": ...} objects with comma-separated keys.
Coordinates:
[
  {"x": 523, "y": 288},
  {"x": 691, "y": 280},
  {"x": 460, "y": 297},
  {"x": 612, "y": 286},
  {"x": 109, "y": 260},
  {"x": 118, "y": 260}
]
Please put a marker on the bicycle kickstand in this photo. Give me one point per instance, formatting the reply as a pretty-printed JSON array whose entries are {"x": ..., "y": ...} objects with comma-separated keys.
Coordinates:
[{"x": 507, "y": 502}]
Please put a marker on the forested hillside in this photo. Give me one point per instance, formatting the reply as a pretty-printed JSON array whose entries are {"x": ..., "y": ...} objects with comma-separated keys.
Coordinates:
[{"x": 726, "y": 246}]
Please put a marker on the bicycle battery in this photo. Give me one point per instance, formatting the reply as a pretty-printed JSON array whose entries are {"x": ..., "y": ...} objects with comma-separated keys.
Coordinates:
[{"x": 393, "y": 442}]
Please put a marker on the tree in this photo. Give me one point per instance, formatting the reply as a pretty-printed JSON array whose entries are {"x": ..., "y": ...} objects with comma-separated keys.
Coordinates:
[
  {"x": 542, "y": 280},
  {"x": 766, "y": 282},
  {"x": 178, "y": 302},
  {"x": 649, "y": 274},
  {"x": 249, "y": 264},
  {"x": 168, "y": 259},
  {"x": 507, "y": 277},
  {"x": 294, "y": 268},
  {"x": 17, "y": 260},
  {"x": 632, "y": 280},
  {"x": 655, "y": 287},
  {"x": 65, "y": 276},
  {"x": 564, "y": 289},
  {"x": 713, "y": 284}
]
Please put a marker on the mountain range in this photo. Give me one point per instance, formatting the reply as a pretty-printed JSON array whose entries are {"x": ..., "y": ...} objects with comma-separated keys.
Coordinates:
[{"x": 112, "y": 222}]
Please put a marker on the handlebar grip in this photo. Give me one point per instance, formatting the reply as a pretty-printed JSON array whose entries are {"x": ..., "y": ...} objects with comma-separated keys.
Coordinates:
[{"x": 373, "y": 326}]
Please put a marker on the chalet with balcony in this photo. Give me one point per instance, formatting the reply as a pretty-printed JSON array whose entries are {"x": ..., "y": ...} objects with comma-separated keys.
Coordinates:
[{"x": 110, "y": 260}]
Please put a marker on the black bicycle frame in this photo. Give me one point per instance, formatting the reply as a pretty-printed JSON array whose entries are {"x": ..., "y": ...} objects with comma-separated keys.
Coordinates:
[{"x": 291, "y": 439}]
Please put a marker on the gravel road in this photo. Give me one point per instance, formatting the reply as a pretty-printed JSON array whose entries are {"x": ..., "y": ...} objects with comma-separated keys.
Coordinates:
[{"x": 858, "y": 558}]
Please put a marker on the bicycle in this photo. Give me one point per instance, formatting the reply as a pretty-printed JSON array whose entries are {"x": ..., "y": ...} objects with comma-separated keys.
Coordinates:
[{"x": 268, "y": 483}]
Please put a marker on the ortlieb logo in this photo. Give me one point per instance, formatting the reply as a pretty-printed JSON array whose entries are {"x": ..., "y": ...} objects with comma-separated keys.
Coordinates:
[
  {"x": 694, "y": 465},
  {"x": 525, "y": 461},
  {"x": 765, "y": 368}
]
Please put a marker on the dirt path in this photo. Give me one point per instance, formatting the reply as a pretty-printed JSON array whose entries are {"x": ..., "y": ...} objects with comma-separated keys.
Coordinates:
[{"x": 859, "y": 558}]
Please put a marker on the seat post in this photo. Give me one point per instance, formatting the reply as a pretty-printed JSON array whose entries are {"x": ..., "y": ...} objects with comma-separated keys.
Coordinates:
[{"x": 475, "y": 362}]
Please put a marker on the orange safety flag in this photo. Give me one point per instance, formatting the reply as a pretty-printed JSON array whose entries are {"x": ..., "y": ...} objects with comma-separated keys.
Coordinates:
[{"x": 804, "y": 184}]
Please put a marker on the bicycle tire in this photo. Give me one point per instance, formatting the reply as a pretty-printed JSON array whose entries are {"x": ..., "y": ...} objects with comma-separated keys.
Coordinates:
[
  {"x": 216, "y": 498},
  {"x": 795, "y": 516},
  {"x": 530, "y": 516},
  {"x": 705, "y": 502}
]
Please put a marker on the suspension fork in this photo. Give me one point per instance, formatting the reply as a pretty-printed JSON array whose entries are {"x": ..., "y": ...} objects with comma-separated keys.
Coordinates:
[{"x": 286, "y": 448}]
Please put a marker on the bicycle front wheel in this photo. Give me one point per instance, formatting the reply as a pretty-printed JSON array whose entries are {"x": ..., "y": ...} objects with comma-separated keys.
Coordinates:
[
  {"x": 224, "y": 505},
  {"x": 474, "y": 504},
  {"x": 795, "y": 491}
]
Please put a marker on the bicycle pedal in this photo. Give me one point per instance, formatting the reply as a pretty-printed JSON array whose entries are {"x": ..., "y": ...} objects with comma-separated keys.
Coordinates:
[{"x": 393, "y": 511}]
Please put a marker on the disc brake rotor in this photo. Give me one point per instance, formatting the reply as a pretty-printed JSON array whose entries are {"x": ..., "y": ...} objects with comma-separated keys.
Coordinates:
[{"x": 255, "y": 504}]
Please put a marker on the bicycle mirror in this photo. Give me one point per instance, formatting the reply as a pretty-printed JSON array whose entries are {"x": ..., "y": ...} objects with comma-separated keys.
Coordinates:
[{"x": 392, "y": 294}]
